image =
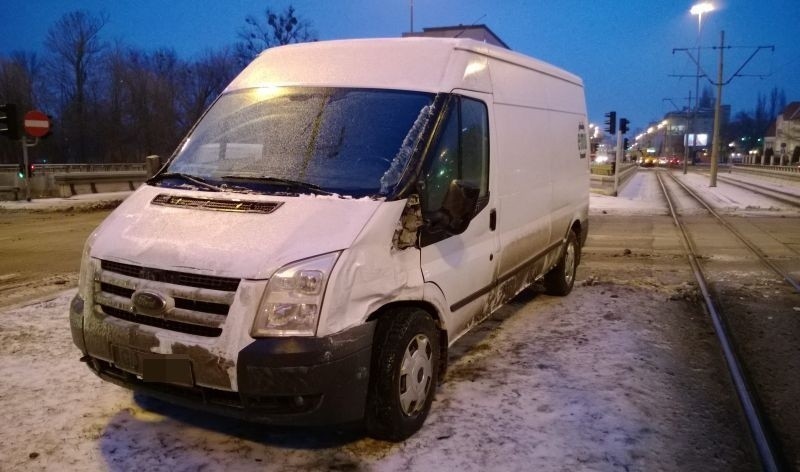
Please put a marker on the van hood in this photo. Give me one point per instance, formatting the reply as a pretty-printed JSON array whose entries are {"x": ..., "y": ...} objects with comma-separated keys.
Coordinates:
[{"x": 155, "y": 227}]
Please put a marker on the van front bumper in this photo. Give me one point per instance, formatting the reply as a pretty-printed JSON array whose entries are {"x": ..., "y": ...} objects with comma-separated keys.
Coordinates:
[{"x": 282, "y": 381}]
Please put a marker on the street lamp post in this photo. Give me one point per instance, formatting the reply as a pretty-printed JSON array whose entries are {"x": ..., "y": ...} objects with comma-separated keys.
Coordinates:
[{"x": 698, "y": 9}]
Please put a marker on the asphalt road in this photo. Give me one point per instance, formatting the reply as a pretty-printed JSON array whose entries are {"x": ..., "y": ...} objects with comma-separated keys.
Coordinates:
[{"x": 40, "y": 252}]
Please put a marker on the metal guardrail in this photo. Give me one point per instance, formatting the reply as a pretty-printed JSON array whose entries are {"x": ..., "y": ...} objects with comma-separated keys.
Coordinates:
[
  {"x": 65, "y": 180},
  {"x": 70, "y": 168}
]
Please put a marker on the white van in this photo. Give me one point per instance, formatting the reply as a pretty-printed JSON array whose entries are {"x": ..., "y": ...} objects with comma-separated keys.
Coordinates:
[{"x": 341, "y": 215}]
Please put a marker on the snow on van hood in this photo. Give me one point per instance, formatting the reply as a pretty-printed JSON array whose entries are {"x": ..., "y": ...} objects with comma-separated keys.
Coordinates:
[{"x": 223, "y": 243}]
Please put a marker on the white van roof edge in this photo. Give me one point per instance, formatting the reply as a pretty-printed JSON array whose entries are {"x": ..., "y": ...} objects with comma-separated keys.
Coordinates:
[{"x": 435, "y": 48}]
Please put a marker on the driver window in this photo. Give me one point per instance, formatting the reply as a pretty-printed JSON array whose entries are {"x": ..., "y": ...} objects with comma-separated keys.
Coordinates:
[{"x": 461, "y": 152}]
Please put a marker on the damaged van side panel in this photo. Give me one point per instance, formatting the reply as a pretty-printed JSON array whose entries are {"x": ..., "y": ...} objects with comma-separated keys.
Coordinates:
[{"x": 372, "y": 272}]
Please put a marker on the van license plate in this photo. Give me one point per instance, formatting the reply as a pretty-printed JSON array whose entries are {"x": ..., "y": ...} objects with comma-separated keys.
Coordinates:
[
  {"x": 174, "y": 370},
  {"x": 125, "y": 359}
]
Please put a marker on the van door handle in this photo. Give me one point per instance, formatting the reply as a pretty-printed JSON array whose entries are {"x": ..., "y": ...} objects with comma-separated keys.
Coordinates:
[{"x": 492, "y": 219}]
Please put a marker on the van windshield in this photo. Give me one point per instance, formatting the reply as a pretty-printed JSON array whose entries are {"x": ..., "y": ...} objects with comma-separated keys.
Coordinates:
[{"x": 345, "y": 141}]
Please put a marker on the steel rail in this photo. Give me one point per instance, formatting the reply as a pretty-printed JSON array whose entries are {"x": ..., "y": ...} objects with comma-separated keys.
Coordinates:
[
  {"x": 758, "y": 252},
  {"x": 766, "y": 450}
]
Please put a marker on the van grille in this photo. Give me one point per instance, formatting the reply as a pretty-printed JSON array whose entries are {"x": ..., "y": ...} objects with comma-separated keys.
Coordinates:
[
  {"x": 187, "y": 328},
  {"x": 201, "y": 302},
  {"x": 183, "y": 303},
  {"x": 239, "y": 206},
  {"x": 171, "y": 277}
]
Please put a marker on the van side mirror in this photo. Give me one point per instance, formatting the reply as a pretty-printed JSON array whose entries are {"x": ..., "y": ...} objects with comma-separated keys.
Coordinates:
[{"x": 459, "y": 206}]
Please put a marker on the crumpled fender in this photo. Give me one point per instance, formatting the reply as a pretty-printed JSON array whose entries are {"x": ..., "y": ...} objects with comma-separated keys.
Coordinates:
[{"x": 371, "y": 273}]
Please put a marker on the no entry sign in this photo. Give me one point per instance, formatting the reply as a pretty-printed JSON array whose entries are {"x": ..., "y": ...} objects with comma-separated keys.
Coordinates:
[{"x": 37, "y": 124}]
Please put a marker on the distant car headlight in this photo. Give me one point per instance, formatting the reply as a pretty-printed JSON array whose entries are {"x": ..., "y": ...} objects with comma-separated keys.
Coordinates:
[{"x": 292, "y": 300}]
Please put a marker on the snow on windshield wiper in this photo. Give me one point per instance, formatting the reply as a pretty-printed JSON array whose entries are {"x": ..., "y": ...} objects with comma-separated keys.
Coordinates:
[
  {"x": 192, "y": 179},
  {"x": 279, "y": 181}
]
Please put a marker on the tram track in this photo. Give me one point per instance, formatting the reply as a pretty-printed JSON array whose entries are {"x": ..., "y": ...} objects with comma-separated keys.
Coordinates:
[
  {"x": 758, "y": 252},
  {"x": 759, "y": 424}
]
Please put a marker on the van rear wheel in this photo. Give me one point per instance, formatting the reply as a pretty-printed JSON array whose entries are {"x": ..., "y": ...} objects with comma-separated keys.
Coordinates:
[
  {"x": 404, "y": 373},
  {"x": 561, "y": 278}
]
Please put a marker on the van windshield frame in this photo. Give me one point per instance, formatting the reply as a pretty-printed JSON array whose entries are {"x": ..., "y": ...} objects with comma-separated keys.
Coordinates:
[{"x": 355, "y": 142}]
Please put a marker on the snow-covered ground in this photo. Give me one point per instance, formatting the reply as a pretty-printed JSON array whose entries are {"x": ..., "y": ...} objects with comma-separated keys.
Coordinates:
[
  {"x": 619, "y": 375},
  {"x": 643, "y": 196},
  {"x": 83, "y": 202}
]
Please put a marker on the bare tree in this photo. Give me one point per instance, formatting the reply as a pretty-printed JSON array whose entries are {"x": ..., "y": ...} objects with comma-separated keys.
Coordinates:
[
  {"x": 207, "y": 78},
  {"x": 74, "y": 41},
  {"x": 777, "y": 102},
  {"x": 273, "y": 29},
  {"x": 20, "y": 77}
]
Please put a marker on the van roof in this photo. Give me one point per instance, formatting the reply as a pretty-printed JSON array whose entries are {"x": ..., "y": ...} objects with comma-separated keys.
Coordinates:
[{"x": 423, "y": 64}]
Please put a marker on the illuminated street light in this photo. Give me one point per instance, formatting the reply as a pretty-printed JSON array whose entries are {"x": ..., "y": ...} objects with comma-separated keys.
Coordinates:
[{"x": 701, "y": 8}]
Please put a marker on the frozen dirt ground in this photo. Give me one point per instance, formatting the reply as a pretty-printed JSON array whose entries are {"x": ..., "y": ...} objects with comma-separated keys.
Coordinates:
[
  {"x": 623, "y": 374},
  {"x": 613, "y": 377}
]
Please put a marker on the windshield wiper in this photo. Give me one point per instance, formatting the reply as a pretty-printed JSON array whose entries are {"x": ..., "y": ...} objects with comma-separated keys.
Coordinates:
[
  {"x": 192, "y": 179},
  {"x": 279, "y": 181}
]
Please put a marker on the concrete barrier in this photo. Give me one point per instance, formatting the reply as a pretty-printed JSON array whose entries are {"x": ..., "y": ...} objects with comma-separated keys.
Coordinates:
[
  {"x": 70, "y": 184},
  {"x": 604, "y": 184},
  {"x": 778, "y": 172},
  {"x": 9, "y": 189}
]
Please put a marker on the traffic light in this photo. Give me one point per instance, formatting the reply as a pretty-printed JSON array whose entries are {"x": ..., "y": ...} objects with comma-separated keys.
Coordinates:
[
  {"x": 624, "y": 140},
  {"x": 611, "y": 122},
  {"x": 623, "y": 125},
  {"x": 21, "y": 171},
  {"x": 9, "y": 122},
  {"x": 31, "y": 170}
]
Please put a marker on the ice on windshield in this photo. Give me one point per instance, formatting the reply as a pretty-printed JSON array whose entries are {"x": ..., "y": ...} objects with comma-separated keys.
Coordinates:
[{"x": 347, "y": 141}]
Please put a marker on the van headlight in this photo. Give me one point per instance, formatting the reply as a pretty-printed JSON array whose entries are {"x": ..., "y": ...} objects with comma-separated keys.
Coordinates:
[
  {"x": 293, "y": 298},
  {"x": 86, "y": 275}
]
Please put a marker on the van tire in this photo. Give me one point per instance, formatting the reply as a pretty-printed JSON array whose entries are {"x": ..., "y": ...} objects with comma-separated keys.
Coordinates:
[
  {"x": 561, "y": 278},
  {"x": 395, "y": 409}
]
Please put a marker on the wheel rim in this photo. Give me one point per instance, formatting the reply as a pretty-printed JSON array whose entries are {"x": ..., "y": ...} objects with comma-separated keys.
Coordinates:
[
  {"x": 569, "y": 264},
  {"x": 416, "y": 374}
]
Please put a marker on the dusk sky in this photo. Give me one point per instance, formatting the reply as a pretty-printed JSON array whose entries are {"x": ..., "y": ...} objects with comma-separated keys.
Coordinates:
[{"x": 622, "y": 50}]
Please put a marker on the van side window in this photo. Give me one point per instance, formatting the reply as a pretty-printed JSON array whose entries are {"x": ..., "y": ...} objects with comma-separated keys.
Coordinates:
[{"x": 461, "y": 152}]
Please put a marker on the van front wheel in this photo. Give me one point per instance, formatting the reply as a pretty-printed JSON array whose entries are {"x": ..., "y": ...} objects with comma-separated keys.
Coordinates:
[
  {"x": 561, "y": 278},
  {"x": 405, "y": 367}
]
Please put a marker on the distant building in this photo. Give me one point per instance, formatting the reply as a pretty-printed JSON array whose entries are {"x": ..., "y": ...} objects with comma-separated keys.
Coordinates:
[
  {"x": 669, "y": 136},
  {"x": 782, "y": 141},
  {"x": 477, "y": 32}
]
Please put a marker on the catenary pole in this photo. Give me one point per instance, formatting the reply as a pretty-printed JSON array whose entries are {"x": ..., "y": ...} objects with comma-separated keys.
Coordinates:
[{"x": 715, "y": 144}]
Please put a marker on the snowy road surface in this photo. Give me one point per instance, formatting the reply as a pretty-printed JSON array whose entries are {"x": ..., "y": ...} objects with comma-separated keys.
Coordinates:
[{"x": 623, "y": 374}]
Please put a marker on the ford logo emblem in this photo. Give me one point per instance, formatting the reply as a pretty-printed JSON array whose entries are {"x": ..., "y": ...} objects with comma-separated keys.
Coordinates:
[{"x": 149, "y": 302}]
